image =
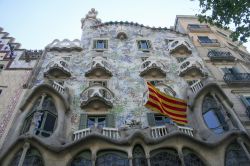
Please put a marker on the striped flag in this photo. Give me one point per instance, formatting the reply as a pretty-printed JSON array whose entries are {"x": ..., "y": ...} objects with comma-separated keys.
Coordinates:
[{"x": 169, "y": 106}]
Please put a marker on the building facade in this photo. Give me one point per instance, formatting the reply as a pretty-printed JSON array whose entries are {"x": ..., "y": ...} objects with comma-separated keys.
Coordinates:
[{"x": 84, "y": 101}]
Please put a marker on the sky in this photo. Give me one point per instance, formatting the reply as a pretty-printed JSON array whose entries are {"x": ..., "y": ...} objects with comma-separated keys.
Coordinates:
[{"x": 36, "y": 23}]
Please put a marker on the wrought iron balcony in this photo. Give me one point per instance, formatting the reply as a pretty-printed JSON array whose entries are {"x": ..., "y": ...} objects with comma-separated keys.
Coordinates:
[
  {"x": 97, "y": 93},
  {"x": 98, "y": 66},
  {"x": 209, "y": 43},
  {"x": 215, "y": 55},
  {"x": 198, "y": 28},
  {"x": 237, "y": 79}
]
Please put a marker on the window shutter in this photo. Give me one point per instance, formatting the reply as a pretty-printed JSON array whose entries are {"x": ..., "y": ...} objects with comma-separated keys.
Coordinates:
[
  {"x": 83, "y": 121},
  {"x": 105, "y": 44},
  {"x": 149, "y": 44},
  {"x": 139, "y": 44},
  {"x": 110, "y": 120},
  {"x": 244, "y": 101},
  {"x": 151, "y": 119}
]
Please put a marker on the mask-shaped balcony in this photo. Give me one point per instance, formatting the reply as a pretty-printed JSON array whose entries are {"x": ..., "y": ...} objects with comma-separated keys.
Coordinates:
[
  {"x": 179, "y": 46},
  {"x": 57, "y": 68},
  {"x": 97, "y": 96},
  {"x": 99, "y": 67},
  {"x": 191, "y": 67},
  {"x": 153, "y": 68}
]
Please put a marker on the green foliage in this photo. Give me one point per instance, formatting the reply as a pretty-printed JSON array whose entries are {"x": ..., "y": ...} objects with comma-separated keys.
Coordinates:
[{"x": 223, "y": 13}]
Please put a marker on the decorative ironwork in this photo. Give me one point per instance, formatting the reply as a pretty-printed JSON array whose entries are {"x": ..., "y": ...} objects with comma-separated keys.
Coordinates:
[
  {"x": 237, "y": 78},
  {"x": 220, "y": 55}
]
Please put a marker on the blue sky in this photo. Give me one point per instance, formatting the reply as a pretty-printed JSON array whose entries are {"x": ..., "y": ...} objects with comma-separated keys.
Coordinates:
[{"x": 36, "y": 23}]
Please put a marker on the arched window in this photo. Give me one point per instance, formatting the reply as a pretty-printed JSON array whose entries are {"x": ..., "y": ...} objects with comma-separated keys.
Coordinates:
[
  {"x": 43, "y": 115},
  {"x": 191, "y": 159},
  {"x": 235, "y": 155},
  {"x": 84, "y": 158},
  {"x": 213, "y": 116},
  {"x": 139, "y": 158},
  {"x": 168, "y": 157},
  {"x": 108, "y": 158},
  {"x": 32, "y": 157}
]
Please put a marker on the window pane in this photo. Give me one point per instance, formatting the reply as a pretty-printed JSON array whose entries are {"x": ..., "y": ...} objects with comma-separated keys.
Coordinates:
[
  {"x": 213, "y": 122},
  {"x": 49, "y": 123},
  {"x": 204, "y": 39},
  {"x": 91, "y": 122},
  {"x": 144, "y": 44},
  {"x": 100, "y": 44},
  {"x": 101, "y": 122}
]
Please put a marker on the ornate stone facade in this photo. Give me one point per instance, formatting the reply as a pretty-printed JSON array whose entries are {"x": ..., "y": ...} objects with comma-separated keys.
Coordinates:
[{"x": 84, "y": 103}]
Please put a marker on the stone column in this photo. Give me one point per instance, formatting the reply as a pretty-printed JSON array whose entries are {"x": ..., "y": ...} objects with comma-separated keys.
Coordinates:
[
  {"x": 240, "y": 141},
  {"x": 148, "y": 159},
  {"x": 26, "y": 146},
  {"x": 181, "y": 156},
  {"x": 41, "y": 102}
]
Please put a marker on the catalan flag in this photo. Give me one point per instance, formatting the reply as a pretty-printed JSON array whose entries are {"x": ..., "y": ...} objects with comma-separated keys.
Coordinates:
[{"x": 169, "y": 106}]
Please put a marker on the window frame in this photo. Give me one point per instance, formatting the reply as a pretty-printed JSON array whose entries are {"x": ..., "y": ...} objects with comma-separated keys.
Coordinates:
[
  {"x": 105, "y": 44},
  {"x": 148, "y": 45}
]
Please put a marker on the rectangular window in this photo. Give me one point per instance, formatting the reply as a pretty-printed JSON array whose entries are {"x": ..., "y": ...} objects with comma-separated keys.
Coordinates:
[
  {"x": 231, "y": 70},
  {"x": 181, "y": 59},
  {"x": 204, "y": 39},
  {"x": 156, "y": 82},
  {"x": 162, "y": 120},
  {"x": 96, "y": 121},
  {"x": 144, "y": 44},
  {"x": 100, "y": 44},
  {"x": 97, "y": 82}
]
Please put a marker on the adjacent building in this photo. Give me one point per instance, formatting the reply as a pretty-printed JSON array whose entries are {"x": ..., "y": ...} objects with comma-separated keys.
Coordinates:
[{"x": 84, "y": 101}]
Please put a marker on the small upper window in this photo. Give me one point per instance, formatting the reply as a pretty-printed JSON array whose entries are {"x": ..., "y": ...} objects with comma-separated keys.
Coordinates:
[
  {"x": 204, "y": 39},
  {"x": 144, "y": 44},
  {"x": 100, "y": 44}
]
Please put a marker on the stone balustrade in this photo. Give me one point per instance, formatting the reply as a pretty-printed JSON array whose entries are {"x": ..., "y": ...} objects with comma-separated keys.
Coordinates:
[
  {"x": 112, "y": 133},
  {"x": 196, "y": 86},
  {"x": 81, "y": 133}
]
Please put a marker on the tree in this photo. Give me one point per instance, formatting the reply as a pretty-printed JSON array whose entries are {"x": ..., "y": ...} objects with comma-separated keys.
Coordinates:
[{"x": 225, "y": 13}]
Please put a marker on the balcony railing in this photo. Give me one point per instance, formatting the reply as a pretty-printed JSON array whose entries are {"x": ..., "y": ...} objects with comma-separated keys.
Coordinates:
[
  {"x": 237, "y": 79},
  {"x": 81, "y": 133},
  {"x": 158, "y": 131},
  {"x": 198, "y": 28},
  {"x": 187, "y": 130},
  {"x": 152, "y": 63},
  {"x": 190, "y": 63},
  {"x": 58, "y": 87},
  {"x": 111, "y": 132},
  {"x": 209, "y": 43},
  {"x": 196, "y": 86},
  {"x": 215, "y": 55}
]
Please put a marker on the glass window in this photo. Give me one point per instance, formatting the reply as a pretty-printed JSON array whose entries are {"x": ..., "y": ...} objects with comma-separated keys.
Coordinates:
[
  {"x": 213, "y": 115},
  {"x": 82, "y": 159},
  {"x": 181, "y": 59},
  {"x": 44, "y": 118},
  {"x": 144, "y": 44},
  {"x": 248, "y": 99},
  {"x": 235, "y": 155},
  {"x": 162, "y": 120},
  {"x": 100, "y": 44},
  {"x": 110, "y": 158},
  {"x": 32, "y": 157},
  {"x": 96, "y": 122},
  {"x": 167, "y": 157},
  {"x": 139, "y": 158},
  {"x": 191, "y": 159}
]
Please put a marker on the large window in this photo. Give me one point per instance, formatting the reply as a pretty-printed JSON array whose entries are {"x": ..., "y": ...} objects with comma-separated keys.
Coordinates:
[
  {"x": 82, "y": 159},
  {"x": 191, "y": 159},
  {"x": 96, "y": 121},
  {"x": 32, "y": 157},
  {"x": 100, "y": 121},
  {"x": 213, "y": 115},
  {"x": 235, "y": 155},
  {"x": 166, "y": 157},
  {"x": 109, "y": 158},
  {"x": 44, "y": 115},
  {"x": 139, "y": 158}
]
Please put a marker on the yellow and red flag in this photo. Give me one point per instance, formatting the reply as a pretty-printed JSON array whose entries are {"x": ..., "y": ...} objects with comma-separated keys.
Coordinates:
[{"x": 169, "y": 106}]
